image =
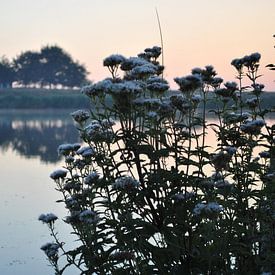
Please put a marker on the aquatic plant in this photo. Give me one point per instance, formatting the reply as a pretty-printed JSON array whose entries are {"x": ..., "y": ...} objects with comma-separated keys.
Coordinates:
[{"x": 147, "y": 193}]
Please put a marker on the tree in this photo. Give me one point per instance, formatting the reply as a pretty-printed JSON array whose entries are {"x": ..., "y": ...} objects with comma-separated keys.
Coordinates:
[
  {"x": 28, "y": 68},
  {"x": 7, "y": 74},
  {"x": 50, "y": 67},
  {"x": 59, "y": 68}
]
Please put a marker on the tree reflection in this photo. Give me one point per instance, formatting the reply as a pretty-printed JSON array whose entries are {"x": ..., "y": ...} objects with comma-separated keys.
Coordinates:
[{"x": 37, "y": 138}]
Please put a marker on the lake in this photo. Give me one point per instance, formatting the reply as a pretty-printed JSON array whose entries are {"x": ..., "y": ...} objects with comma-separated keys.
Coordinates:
[
  {"x": 28, "y": 143},
  {"x": 28, "y": 148}
]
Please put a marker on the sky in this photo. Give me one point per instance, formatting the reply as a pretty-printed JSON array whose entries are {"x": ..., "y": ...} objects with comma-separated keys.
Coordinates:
[{"x": 195, "y": 33}]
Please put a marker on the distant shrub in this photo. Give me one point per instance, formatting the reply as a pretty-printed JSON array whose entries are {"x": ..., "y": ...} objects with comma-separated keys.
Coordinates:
[{"x": 148, "y": 193}]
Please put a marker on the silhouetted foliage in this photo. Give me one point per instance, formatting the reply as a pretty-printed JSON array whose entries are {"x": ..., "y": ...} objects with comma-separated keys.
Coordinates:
[
  {"x": 28, "y": 68},
  {"x": 7, "y": 74},
  {"x": 50, "y": 67}
]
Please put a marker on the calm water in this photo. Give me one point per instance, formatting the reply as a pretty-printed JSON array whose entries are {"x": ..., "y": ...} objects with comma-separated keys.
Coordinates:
[{"x": 28, "y": 143}]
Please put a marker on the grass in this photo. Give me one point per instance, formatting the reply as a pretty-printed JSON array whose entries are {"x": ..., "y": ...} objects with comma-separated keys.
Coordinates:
[
  {"x": 30, "y": 98},
  {"x": 26, "y": 98}
]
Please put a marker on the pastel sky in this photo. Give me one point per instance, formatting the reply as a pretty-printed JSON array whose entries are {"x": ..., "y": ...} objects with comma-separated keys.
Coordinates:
[{"x": 196, "y": 33}]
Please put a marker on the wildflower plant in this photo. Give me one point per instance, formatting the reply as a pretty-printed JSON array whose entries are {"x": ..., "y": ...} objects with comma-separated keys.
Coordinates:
[{"x": 147, "y": 193}]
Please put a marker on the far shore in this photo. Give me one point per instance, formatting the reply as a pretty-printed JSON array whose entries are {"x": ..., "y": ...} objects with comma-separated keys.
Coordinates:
[{"x": 35, "y": 98}]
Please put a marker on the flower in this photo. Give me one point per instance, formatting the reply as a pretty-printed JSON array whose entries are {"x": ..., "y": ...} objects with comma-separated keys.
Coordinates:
[
  {"x": 231, "y": 150},
  {"x": 216, "y": 82},
  {"x": 252, "y": 127},
  {"x": 189, "y": 83},
  {"x": 71, "y": 202},
  {"x": 143, "y": 71},
  {"x": 91, "y": 178},
  {"x": 257, "y": 88},
  {"x": 80, "y": 116},
  {"x": 67, "y": 148},
  {"x": 132, "y": 62},
  {"x": 58, "y": 174},
  {"x": 157, "y": 84},
  {"x": 207, "y": 208},
  {"x": 49, "y": 218},
  {"x": 126, "y": 87},
  {"x": 154, "y": 52},
  {"x": 99, "y": 88},
  {"x": 88, "y": 216},
  {"x": 238, "y": 64},
  {"x": 264, "y": 154},
  {"x": 250, "y": 61},
  {"x": 107, "y": 123},
  {"x": 86, "y": 151},
  {"x": 221, "y": 184},
  {"x": 233, "y": 86},
  {"x": 113, "y": 60},
  {"x": 125, "y": 182},
  {"x": 221, "y": 160},
  {"x": 183, "y": 196},
  {"x": 50, "y": 249}
]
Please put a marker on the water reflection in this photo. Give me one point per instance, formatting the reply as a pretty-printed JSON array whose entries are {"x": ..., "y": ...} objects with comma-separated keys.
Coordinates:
[{"x": 37, "y": 136}]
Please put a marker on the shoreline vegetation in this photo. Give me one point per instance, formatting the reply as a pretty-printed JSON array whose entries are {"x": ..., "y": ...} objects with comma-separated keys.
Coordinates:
[{"x": 35, "y": 98}]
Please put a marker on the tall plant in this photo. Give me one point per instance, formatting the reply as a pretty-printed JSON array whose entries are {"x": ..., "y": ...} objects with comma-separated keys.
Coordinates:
[{"x": 147, "y": 192}]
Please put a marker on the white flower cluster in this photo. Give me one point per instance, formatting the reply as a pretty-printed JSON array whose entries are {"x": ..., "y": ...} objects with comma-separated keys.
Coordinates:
[
  {"x": 221, "y": 184},
  {"x": 143, "y": 70},
  {"x": 125, "y": 182},
  {"x": 50, "y": 249},
  {"x": 209, "y": 208},
  {"x": 113, "y": 60},
  {"x": 58, "y": 174},
  {"x": 86, "y": 151},
  {"x": 184, "y": 196},
  {"x": 80, "y": 116},
  {"x": 252, "y": 126},
  {"x": 108, "y": 123},
  {"x": 236, "y": 117},
  {"x": 91, "y": 178},
  {"x": 95, "y": 131},
  {"x": 154, "y": 52},
  {"x": 48, "y": 218},
  {"x": 133, "y": 62},
  {"x": 264, "y": 154},
  {"x": 189, "y": 83},
  {"x": 98, "y": 88},
  {"x": 88, "y": 216},
  {"x": 233, "y": 86},
  {"x": 248, "y": 61},
  {"x": 157, "y": 84},
  {"x": 231, "y": 150},
  {"x": 67, "y": 148},
  {"x": 125, "y": 87},
  {"x": 71, "y": 202}
]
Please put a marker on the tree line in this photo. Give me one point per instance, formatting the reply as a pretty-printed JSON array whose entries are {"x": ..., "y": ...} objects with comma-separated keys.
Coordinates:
[{"x": 50, "y": 67}]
